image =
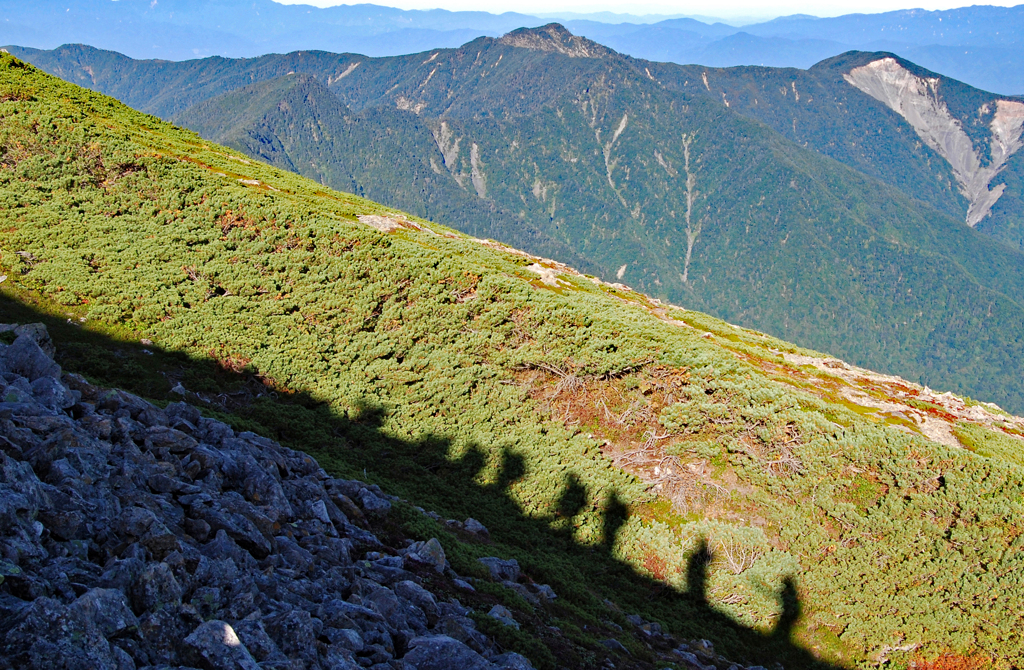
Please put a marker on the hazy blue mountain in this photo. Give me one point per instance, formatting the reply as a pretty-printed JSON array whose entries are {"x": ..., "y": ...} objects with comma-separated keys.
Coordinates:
[{"x": 979, "y": 45}]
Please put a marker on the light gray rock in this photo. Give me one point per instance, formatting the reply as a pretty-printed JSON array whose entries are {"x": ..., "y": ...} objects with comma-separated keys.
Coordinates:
[
  {"x": 615, "y": 645},
  {"x": 474, "y": 527},
  {"x": 543, "y": 591},
  {"x": 214, "y": 645}
]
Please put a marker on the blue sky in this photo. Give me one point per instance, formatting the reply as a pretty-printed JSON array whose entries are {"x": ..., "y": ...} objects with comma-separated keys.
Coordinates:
[{"x": 720, "y": 8}]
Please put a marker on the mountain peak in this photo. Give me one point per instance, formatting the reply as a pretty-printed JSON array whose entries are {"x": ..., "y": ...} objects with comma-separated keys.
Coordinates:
[{"x": 554, "y": 37}]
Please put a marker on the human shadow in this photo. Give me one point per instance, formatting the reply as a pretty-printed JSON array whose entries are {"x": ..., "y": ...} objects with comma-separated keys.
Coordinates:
[{"x": 596, "y": 587}]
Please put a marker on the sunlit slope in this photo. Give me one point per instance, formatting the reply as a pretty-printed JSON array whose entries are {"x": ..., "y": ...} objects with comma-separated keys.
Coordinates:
[
  {"x": 642, "y": 173},
  {"x": 470, "y": 378}
]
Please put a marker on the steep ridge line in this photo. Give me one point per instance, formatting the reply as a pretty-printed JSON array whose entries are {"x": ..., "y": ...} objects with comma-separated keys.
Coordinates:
[{"x": 917, "y": 100}]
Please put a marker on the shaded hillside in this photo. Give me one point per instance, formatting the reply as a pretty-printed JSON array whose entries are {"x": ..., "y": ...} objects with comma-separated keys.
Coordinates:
[
  {"x": 476, "y": 380},
  {"x": 643, "y": 173}
]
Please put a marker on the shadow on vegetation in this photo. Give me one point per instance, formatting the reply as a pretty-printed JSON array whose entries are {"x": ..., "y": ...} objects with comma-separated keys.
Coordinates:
[{"x": 424, "y": 472}]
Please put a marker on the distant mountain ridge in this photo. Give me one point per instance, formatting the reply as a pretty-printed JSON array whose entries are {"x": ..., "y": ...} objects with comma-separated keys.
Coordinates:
[
  {"x": 980, "y": 45},
  {"x": 786, "y": 200}
]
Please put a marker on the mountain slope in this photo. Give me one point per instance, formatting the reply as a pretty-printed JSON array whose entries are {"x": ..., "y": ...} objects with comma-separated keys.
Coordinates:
[
  {"x": 641, "y": 172},
  {"x": 970, "y": 165},
  {"x": 476, "y": 380}
]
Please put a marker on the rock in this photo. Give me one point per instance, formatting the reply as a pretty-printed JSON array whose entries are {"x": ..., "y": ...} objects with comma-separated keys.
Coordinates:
[
  {"x": 155, "y": 588},
  {"x": 50, "y": 393},
  {"x": 615, "y": 645},
  {"x": 215, "y": 646},
  {"x": 27, "y": 359},
  {"x": 512, "y": 661},
  {"x": 346, "y": 638},
  {"x": 504, "y": 615},
  {"x": 256, "y": 640},
  {"x": 418, "y": 596},
  {"x": 689, "y": 658},
  {"x": 295, "y": 633},
  {"x": 428, "y": 553},
  {"x": 440, "y": 652},
  {"x": 501, "y": 570},
  {"x": 108, "y": 609},
  {"x": 39, "y": 334},
  {"x": 474, "y": 527},
  {"x": 163, "y": 437},
  {"x": 374, "y": 505},
  {"x": 543, "y": 591}
]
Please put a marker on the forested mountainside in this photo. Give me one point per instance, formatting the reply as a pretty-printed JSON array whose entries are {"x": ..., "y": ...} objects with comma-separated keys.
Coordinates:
[
  {"x": 639, "y": 458},
  {"x": 847, "y": 234},
  {"x": 974, "y": 171}
]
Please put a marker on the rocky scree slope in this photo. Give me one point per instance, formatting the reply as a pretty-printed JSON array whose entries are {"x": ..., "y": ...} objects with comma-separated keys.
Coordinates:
[{"x": 134, "y": 536}]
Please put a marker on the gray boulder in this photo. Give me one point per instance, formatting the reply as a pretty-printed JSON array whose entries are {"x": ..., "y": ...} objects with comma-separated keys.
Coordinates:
[
  {"x": 440, "y": 652},
  {"x": 27, "y": 359},
  {"x": 502, "y": 570},
  {"x": 108, "y": 609},
  {"x": 215, "y": 646},
  {"x": 428, "y": 553}
]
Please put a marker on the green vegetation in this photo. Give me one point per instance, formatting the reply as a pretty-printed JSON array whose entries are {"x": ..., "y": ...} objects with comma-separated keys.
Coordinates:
[
  {"x": 442, "y": 369},
  {"x": 821, "y": 220},
  {"x": 990, "y": 443}
]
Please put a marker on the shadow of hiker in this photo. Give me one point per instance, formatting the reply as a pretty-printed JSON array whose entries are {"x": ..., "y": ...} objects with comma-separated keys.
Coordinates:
[
  {"x": 615, "y": 514},
  {"x": 697, "y": 573},
  {"x": 791, "y": 611},
  {"x": 570, "y": 504},
  {"x": 423, "y": 470}
]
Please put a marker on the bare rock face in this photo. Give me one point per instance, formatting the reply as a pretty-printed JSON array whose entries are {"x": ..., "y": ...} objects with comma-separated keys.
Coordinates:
[
  {"x": 917, "y": 100},
  {"x": 554, "y": 37},
  {"x": 133, "y": 536}
]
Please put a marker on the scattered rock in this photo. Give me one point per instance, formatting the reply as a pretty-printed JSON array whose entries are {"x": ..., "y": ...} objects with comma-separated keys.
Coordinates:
[
  {"x": 474, "y": 527},
  {"x": 138, "y": 537},
  {"x": 504, "y": 615},
  {"x": 502, "y": 570},
  {"x": 440, "y": 652},
  {"x": 615, "y": 645},
  {"x": 429, "y": 553}
]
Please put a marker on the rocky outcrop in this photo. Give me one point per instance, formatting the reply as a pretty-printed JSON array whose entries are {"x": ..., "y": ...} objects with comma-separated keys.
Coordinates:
[
  {"x": 136, "y": 536},
  {"x": 917, "y": 100},
  {"x": 555, "y": 38}
]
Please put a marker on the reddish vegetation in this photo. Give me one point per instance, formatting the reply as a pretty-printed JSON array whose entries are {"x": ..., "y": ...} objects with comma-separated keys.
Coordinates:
[
  {"x": 231, "y": 220},
  {"x": 624, "y": 411},
  {"x": 656, "y": 565},
  {"x": 950, "y": 661}
]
